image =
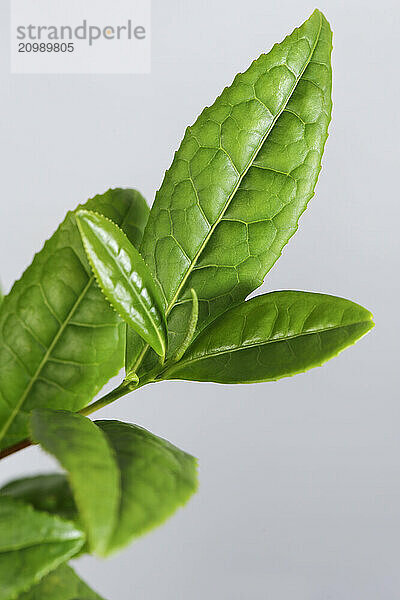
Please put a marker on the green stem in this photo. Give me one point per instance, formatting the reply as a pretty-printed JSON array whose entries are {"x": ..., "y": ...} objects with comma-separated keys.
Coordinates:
[{"x": 123, "y": 389}]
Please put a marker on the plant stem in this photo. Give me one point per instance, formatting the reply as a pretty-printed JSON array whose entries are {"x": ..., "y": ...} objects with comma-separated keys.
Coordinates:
[
  {"x": 121, "y": 390},
  {"x": 12, "y": 449}
]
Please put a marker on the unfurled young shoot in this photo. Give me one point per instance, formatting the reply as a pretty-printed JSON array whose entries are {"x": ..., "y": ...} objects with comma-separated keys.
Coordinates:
[{"x": 191, "y": 328}]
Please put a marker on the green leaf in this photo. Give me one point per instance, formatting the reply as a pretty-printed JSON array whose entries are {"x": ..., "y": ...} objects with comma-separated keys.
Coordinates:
[
  {"x": 83, "y": 451},
  {"x": 60, "y": 341},
  {"x": 272, "y": 336},
  {"x": 61, "y": 584},
  {"x": 49, "y": 493},
  {"x": 241, "y": 178},
  {"x": 156, "y": 478},
  {"x": 31, "y": 545},
  {"x": 124, "y": 278}
]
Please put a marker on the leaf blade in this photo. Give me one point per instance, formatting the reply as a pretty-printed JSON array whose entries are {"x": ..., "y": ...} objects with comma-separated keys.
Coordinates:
[
  {"x": 31, "y": 545},
  {"x": 273, "y": 336},
  {"x": 83, "y": 451},
  {"x": 124, "y": 278},
  {"x": 59, "y": 340},
  {"x": 226, "y": 208}
]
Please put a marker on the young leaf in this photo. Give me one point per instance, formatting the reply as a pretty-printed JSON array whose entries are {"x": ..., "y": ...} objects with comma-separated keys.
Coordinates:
[
  {"x": 60, "y": 341},
  {"x": 48, "y": 493},
  {"x": 272, "y": 336},
  {"x": 83, "y": 451},
  {"x": 134, "y": 349},
  {"x": 31, "y": 545},
  {"x": 124, "y": 278},
  {"x": 241, "y": 178},
  {"x": 191, "y": 328},
  {"x": 156, "y": 479},
  {"x": 61, "y": 584}
]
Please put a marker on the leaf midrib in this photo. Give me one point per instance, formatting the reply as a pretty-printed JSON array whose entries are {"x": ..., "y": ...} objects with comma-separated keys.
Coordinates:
[
  {"x": 265, "y": 343},
  {"x": 63, "y": 326},
  {"x": 45, "y": 358},
  {"x": 128, "y": 281}
]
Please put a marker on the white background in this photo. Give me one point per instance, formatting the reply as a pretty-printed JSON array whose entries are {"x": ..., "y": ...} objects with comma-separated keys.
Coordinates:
[{"x": 300, "y": 480}]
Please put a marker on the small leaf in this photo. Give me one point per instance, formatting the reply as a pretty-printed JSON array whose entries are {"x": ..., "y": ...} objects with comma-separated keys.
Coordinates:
[
  {"x": 134, "y": 350},
  {"x": 49, "y": 493},
  {"x": 272, "y": 336},
  {"x": 124, "y": 278},
  {"x": 132, "y": 379},
  {"x": 60, "y": 341},
  {"x": 61, "y": 584},
  {"x": 156, "y": 478},
  {"x": 31, "y": 545},
  {"x": 83, "y": 451}
]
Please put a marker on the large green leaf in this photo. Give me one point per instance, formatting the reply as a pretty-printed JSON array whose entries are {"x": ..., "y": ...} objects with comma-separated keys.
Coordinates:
[
  {"x": 124, "y": 278},
  {"x": 61, "y": 584},
  {"x": 272, "y": 336},
  {"x": 83, "y": 451},
  {"x": 31, "y": 545},
  {"x": 241, "y": 178},
  {"x": 50, "y": 493},
  {"x": 60, "y": 341},
  {"x": 156, "y": 478}
]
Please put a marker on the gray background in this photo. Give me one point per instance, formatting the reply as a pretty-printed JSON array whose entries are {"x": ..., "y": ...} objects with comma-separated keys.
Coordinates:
[{"x": 300, "y": 480}]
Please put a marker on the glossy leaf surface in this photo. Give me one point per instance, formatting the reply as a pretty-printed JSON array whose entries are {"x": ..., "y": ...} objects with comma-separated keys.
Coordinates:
[
  {"x": 31, "y": 545},
  {"x": 124, "y": 278},
  {"x": 156, "y": 479},
  {"x": 241, "y": 178},
  {"x": 272, "y": 336},
  {"x": 60, "y": 341},
  {"x": 61, "y": 584},
  {"x": 49, "y": 493},
  {"x": 83, "y": 451}
]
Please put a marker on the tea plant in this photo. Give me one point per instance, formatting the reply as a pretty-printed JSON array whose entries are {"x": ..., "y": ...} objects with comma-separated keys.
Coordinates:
[{"x": 163, "y": 293}]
